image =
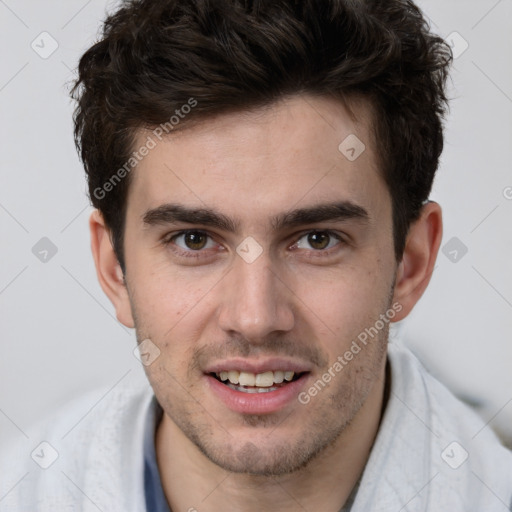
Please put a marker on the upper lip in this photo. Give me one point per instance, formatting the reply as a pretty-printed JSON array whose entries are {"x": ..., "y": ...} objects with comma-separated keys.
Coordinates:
[{"x": 258, "y": 366}]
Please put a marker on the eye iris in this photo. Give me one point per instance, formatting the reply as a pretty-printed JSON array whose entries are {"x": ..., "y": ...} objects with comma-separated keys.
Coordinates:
[
  {"x": 318, "y": 240},
  {"x": 195, "y": 240}
]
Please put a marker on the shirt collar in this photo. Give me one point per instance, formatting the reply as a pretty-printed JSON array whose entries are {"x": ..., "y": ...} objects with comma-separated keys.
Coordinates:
[{"x": 153, "y": 490}]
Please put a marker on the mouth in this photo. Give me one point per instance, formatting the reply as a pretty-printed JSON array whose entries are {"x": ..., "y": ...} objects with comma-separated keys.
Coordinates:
[
  {"x": 247, "y": 382},
  {"x": 261, "y": 392}
]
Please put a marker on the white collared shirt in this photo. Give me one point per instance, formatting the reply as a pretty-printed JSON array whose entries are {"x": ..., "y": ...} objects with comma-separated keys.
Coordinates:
[{"x": 431, "y": 454}]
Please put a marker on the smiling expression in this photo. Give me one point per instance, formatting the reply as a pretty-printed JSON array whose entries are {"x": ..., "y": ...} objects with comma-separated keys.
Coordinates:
[{"x": 256, "y": 253}]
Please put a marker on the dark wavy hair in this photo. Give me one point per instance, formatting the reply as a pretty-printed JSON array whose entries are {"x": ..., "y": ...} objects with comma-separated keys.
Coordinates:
[{"x": 153, "y": 56}]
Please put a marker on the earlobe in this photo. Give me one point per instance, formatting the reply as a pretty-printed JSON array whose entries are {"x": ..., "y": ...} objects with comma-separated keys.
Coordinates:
[
  {"x": 108, "y": 270},
  {"x": 419, "y": 257}
]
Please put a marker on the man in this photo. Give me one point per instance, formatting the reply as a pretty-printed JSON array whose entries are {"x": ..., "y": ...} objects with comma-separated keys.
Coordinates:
[{"x": 261, "y": 173}]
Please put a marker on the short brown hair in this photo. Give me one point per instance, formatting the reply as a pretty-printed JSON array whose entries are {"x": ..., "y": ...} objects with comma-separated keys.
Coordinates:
[{"x": 154, "y": 56}]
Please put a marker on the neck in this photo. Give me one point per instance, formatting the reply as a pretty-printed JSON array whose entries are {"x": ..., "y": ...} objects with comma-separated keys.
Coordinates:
[{"x": 191, "y": 481}]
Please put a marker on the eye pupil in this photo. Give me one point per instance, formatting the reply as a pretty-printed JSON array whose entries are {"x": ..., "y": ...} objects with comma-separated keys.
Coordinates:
[
  {"x": 195, "y": 240},
  {"x": 318, "y": 240}
]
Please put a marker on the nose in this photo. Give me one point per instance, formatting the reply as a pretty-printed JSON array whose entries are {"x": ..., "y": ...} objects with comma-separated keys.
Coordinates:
[{"x": 256, "y": 301}]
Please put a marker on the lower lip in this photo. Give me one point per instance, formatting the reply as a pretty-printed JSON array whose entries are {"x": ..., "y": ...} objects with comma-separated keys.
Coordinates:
[{"x": 257, "y": 403}]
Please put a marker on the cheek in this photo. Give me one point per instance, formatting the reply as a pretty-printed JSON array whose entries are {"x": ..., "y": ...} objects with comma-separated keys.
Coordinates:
[
  {"x": 164, "y": 297},
  {"x": 342, "y": 303}
]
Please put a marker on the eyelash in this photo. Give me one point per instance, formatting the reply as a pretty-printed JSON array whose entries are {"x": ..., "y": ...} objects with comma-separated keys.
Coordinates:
[{"x": 168, "y": 240}]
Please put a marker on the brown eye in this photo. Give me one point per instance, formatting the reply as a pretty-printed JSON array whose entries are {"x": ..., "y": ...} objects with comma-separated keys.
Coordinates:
[
  {"x": 319, "y": 240},
  {"x": 192, "y": 247},
  {"x": 191, "y": 241},
  {"x": 195, "y": 240}
]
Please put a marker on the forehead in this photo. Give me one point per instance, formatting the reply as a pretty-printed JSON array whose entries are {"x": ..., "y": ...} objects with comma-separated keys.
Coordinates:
[{"x": 298, "y": 151}]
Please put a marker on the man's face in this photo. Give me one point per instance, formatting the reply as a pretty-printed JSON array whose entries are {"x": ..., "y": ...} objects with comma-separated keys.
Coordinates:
[{"x": 255, "y": 286}]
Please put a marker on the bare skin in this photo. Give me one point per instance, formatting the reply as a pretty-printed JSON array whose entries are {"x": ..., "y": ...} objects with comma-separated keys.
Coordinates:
[{"x": 302, "y": 302}]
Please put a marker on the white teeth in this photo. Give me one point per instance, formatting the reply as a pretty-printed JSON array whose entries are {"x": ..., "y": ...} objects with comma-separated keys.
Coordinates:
[
  {"x": 251, "y": 390},
  {"x": 247, "y": 379},
  {"x": 234, "y": 376},
  {"x": 278, "y": 377},
  {"x": 261, "y": 380},
  {"x": 264, "y": 380},
  {"x": 288, "y": 376}
]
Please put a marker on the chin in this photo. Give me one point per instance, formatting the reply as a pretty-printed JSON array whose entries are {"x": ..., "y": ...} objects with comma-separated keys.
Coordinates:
[
  {"x": 273, "y": 461},
  {"x": 272, "y": 454}
]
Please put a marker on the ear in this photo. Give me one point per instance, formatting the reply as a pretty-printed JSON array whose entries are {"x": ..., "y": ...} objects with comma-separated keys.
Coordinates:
[
  {"x": 421, "y": 248},
  {"x": 108, "y": 270}
]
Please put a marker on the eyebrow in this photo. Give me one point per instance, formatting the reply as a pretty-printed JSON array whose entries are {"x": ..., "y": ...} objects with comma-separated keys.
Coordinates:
[{"x": 176, "y": 213}]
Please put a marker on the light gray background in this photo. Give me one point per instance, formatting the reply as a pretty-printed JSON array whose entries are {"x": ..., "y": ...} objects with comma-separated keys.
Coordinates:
[{"x": 59, "y": 332}]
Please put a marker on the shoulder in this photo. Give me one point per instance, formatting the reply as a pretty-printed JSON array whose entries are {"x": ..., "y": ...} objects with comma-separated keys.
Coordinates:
[
  {"x": 467, "y": 462},
  {"x": 76, "y": 456}
]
